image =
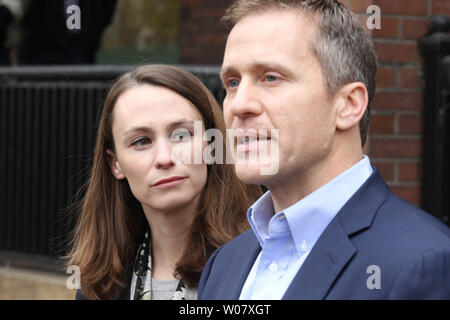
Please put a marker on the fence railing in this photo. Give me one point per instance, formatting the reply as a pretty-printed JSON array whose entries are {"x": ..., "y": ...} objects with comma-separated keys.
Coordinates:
[{"x": 48, "y": 123}]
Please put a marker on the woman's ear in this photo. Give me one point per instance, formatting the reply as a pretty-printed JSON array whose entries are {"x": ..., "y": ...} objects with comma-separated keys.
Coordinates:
[
  {"x": 351, "y": 105},
  {"x": 115, "y": 166}
]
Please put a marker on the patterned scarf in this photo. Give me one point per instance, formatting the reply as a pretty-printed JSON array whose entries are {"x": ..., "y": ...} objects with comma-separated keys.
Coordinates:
[{"x": 141, "y": 283}]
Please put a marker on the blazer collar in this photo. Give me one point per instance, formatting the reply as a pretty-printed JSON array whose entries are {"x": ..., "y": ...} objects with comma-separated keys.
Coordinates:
[
  {"x": 360, "y": 210},
  {"x": 334, "y": 249}
]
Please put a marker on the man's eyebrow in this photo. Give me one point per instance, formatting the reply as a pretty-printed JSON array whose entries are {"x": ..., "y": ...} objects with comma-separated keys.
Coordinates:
[
  {"x": 227, "y": 70},
  {"x": 275, "y": 67}
]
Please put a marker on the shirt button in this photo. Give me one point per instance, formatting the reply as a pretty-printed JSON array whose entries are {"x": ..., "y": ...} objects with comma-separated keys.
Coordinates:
[
  {"x": 273, "y": 267},
  {"x": 303, "y": 246}
]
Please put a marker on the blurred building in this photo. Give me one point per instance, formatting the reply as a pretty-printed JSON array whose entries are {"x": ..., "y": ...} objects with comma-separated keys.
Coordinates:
[{"x": 142, "y": 31}]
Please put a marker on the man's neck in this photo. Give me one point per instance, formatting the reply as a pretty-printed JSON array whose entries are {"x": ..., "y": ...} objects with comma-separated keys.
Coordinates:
[{"x": 294, "y": 189}]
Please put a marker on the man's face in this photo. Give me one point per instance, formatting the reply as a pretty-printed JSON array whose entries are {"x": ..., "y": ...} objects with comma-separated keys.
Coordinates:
[{"x": 274, "y": 81}]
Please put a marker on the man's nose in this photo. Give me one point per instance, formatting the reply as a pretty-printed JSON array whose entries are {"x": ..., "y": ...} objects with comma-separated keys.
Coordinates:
[
  {"x": 163, "y": 159},
  {"x": 245, "y": 102}
]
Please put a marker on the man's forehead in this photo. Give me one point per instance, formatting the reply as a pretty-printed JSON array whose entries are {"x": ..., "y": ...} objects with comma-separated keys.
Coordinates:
[
  {"x": 275, "y": 21},
  {"x": 268, "y": 40}
]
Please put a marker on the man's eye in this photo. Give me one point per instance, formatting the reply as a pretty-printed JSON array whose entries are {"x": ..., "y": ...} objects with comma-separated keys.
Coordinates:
[
  {"x": 271, "y": 78},
  {"x": 181, "y": 135},
  {"x": 233, "y": 83},
  {"x": 141, "y": 142}
]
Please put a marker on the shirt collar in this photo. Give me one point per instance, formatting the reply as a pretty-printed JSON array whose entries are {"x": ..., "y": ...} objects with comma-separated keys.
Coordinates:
[
  {"x": 259, "y": 215},
  {"x": 309, "y": 217}
]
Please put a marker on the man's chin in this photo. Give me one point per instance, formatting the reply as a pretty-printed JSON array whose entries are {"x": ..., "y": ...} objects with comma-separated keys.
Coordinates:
[{"x": 252, "y": 174}]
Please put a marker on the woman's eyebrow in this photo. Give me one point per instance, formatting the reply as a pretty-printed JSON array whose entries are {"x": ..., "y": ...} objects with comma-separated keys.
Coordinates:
[
  {"x": 180, "y": 123},
  {"x": 171, "y": 125},
  {"x": 139, "y": 129}
]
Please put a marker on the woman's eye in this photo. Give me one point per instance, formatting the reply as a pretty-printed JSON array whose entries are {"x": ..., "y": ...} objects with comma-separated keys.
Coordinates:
[
  {"x": 181, "y": 135},
  {"x": 141, "y": 142}
]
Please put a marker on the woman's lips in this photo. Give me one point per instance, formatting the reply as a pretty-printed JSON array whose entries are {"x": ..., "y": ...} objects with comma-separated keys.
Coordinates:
[{"x": 172, "y": 181}]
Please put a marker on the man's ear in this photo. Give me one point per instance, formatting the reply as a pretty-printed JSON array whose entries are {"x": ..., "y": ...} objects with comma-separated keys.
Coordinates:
[
  {"x": 114, "y": 165},
  {"x": 352, "y": 100}
]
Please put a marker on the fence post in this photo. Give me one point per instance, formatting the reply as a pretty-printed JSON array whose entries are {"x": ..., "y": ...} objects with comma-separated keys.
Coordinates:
[{"x": 434, "y": 47}]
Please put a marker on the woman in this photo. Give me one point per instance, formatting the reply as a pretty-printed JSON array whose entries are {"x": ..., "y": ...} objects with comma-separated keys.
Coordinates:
[{"x": 148, "y": 223}]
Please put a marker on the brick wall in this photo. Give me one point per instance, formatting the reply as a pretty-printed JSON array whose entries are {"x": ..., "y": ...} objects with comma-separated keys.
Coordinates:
[
  {"x": 395, "y": 143},
  {"x": 202, "y": 37}
]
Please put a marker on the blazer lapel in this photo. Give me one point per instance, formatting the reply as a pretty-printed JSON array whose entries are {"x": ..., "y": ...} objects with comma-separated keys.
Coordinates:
[
  {"x": 330, "y": 254},
  {"x": 334, "y": 249},
  {"x": 239, "y": 270}
]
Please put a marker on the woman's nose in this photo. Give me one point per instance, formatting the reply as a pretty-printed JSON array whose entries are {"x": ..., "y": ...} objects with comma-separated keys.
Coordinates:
[{"x": 164, "y": 158}]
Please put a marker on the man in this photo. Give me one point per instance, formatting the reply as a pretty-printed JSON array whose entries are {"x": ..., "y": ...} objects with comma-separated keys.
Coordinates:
[{"x": 328, "y": 228}]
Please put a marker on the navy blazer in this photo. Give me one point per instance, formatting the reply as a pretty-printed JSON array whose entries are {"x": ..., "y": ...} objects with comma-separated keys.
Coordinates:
[{"x": 374, "y": 234}]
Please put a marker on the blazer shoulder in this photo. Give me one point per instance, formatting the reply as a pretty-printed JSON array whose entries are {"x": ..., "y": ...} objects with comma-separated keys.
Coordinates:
[
  {"x": 415, "y": 219},
  {"x": 206, "y": 272},
  {"x": 238, "y": 245},
  {"x": 247, "y": 237},
  {"x": 227, "y": 267},
  {"x": 425, "y": 277},
  {"x": 401, "y": 233},
  {"x": 80, "y": 296}
]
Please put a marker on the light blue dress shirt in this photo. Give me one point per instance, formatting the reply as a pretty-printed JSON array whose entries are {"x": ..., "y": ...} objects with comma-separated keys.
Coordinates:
[{"x": 287, "y": 237}]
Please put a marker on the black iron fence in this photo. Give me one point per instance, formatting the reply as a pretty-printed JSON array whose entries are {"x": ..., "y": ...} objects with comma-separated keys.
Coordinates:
[
  {"x": 435, "y": 50},
  {"x": 48, "y": 123}
]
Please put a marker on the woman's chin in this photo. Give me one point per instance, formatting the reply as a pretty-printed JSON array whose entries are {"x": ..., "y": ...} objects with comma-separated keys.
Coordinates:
[{"x": 171, "y": 203}]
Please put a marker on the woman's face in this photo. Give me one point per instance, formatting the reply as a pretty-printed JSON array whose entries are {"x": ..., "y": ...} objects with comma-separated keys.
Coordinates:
[{"x": 148, "y": 123}]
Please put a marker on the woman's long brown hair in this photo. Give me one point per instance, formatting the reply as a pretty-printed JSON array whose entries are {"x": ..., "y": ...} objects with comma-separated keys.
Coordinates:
[{"x": 111, "y": 221}]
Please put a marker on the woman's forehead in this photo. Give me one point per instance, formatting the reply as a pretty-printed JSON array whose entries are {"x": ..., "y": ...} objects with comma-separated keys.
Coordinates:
[{"x": 145, "y": 105}]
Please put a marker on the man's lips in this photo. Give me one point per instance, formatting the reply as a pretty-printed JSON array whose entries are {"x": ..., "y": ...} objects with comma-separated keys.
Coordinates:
[
  {"x": 168, "y": 180},
  {"x": 245, "y": 137},
  {"x": 247, "y": 140},
  {"x": 242, "y": 140}
]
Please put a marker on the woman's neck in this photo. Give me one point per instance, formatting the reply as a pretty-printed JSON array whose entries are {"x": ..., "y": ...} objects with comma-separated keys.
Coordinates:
[{"x": 170, "y": 232}]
